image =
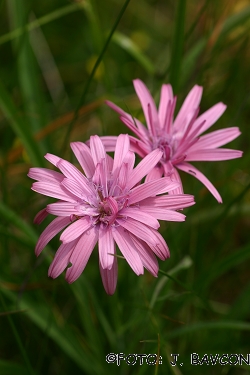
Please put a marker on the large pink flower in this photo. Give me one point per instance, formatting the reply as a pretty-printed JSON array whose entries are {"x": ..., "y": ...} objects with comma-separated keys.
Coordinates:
[
  {"x": 107, "y": 205},
  {"x": 179, "y": 139}
]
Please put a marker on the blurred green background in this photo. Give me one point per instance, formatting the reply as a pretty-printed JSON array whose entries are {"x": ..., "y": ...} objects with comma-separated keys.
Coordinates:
[{"x": 59, "y": 61}]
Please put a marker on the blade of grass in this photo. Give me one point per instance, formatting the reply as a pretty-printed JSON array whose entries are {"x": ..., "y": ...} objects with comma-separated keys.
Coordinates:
[
  {"x": 6, "y": 232},
  {"x": 98, "y": 61},
  {"x": 54, "y": 125},
  {"x": 65, "y": 338},
  {"x": 191, "y": 59},
  {"x": 234, "y": 21},
  {"x": 79, "y": 289},
  {"x": 230, "y": 324},
  {"x": 27, "y": 69},
  {"x": 20, "y": 128},
  {"x": 185, "y": 263},
  {"x": 241, "y": 308},
  {"x": 197, "y": 19},
  {"x": 48, "y": 66},
  {"x": 17, "y": 338},
  {"x": 188, "y": 289},
  {"x": 10, "y": 368},
  {"x": 41, "y": 21},
  {"x": 130, "y": 47},
  {"x": 177, "y": 45},
  {"x": 91, "y": 329},
  {"x": 220, "y": 267},
  {"x": 9, "y": 215}
]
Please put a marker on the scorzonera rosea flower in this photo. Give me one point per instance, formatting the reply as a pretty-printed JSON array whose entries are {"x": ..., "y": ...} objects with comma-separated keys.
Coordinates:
[
  {"x": 179, "y": 139},
  {"x": 107, "y": 205}
]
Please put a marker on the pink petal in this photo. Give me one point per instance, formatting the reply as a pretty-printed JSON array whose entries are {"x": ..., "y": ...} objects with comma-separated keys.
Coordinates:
[
  {"x": 106, "y": 247},
  {"x": 165, "y": 99},
  {"x": 163, "y": 214},
  {"x": 170, "y": 202},
  {"x": 136, "y": 127},
  {"x": 83, "y": 155},
  {"x": 62, "y": 209},
  {"x": 104, "y": 173},
  {"x": 109, "y": 162},
  {"x": 186, "y": 167},
  {"x": 81, "y": 254},
  {"x": 151, "y": 188},
  {"x": 154, "y": 174},
  {"x": 168, "y": 122},
  {"x": 97, "y": 149},
  {"x": 210, "y": 116},
  {"x": 160, "y": 247},
  {"x": 117, "y": 109},
  {"x": 121, "y": 150},
  {"x": 71, "y": 172},
  {"x": 131, "y": 122},
  {"x": 61, "y": 259},
  {"x": 109, "y": 277},
  {"x": 148, "y": 106},
  {"x": 40, "y": 216},
  {"x": 213, "y": 155},
  {"x": 144, "y": 167},
  {"x": 54, "y": 191},
  {"x": 109, "y": 142},
  {"x": 113, "y": 205},
  {"x": 43, "y": 174},
  {"x": 147, "y": 256},
  {"x": 139, "y": 229},
  {"x": 216, "y": 139},
  {"x": 74, "y": 187},
  {"x": 121, "y": 181},
  {"x": 141, "y": 215},
  {"x": 53, "y": 159},
  {"x": 140, "y": 147},
  {"x": 191, "y": 103},
  {"x": 127, "y": 249},
  {"x": 76, "y": 229},
  {"x": 176, "y": 177},
  {"x": 50, "y": 231}
]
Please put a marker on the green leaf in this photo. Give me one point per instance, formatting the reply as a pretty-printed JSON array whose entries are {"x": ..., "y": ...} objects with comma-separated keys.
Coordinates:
[
  {"x": 177, "y": 45},
  {"x": 220, "y": 267},
  {"x": 129, "y": 46},
  {"x": 230, "y": 324},
  {"x": 64, "y": 337},
  {"x": 234, "y": 21},
  {"x": 40, "y": 21},
  {"x": 27, "y": 69},
  {"x": 21, "y": 129},
  {"x": 8, "y": 214},
  {"x": 190, "y": 60},
  {"x": 10, "y": 368},
  {"x": 185, "y": 263}
]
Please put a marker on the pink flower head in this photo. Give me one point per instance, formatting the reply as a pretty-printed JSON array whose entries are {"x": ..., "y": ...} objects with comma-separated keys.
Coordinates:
[
  {"x": 107, "y": 205},
  {"x": 179, "y": 139}
]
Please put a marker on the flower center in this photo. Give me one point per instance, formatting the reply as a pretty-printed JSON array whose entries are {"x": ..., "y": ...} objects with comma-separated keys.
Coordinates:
[
  {"x": 165, "y": 145},
  {"x": 103, "y": 208}
]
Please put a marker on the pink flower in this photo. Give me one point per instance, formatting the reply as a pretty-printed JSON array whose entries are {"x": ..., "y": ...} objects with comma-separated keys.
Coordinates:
[
  {"x": 179, "y": 139},
  {"x": 107, "y": 205}
]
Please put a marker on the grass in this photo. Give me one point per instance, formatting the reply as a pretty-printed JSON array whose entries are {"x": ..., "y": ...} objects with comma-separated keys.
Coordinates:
[{"x": 60, "y": 61}]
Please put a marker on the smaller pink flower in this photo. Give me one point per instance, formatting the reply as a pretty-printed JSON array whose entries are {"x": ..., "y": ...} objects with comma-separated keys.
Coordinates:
[
  {"x": 179, "y": 139},
  {"x": 107, "y": 205}
]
